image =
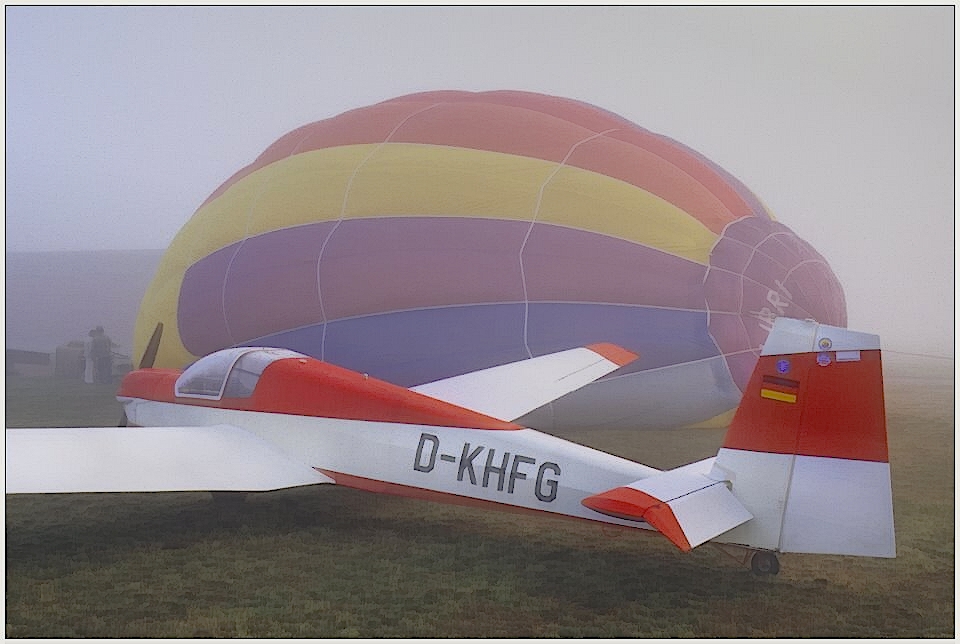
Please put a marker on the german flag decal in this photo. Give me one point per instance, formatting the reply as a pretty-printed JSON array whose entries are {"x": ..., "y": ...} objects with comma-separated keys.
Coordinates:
[
  {"x": 782, "y": 389},
  {"x": 778, "y": 395}
]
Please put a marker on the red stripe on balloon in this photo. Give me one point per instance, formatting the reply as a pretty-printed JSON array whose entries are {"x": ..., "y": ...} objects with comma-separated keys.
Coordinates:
[
  {"x": 735, "y": 197},
  {"x": 536, "y": 126}
]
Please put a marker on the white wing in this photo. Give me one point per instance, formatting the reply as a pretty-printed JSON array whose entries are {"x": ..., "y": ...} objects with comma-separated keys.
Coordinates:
[
  {"x": 148, "y": 459},
  {"x": 509, "y": 391}
]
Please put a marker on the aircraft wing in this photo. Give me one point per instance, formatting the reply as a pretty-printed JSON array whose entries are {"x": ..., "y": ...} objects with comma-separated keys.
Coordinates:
[
  {"x": 148, "y": 459},
  {"x": 512, "y": 390},
  {"x": 686, "y": 506}
]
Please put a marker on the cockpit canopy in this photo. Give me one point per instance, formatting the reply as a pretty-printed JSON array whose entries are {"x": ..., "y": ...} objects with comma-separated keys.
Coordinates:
[{"x": 230, "y": 373}]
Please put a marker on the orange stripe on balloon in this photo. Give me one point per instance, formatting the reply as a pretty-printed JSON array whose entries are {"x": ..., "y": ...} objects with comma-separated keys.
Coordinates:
[
  {"x": 405, "y": 178},
  {"x": 365, "y": 125},
  {"x": 629, "y": 153}
]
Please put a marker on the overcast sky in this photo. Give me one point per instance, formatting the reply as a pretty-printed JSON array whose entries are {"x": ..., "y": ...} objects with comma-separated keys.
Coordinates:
[{"x": 121, "y": 121}]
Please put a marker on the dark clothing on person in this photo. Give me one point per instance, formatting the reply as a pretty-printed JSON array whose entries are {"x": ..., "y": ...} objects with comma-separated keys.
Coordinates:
[{"x": 102, "y": 357}]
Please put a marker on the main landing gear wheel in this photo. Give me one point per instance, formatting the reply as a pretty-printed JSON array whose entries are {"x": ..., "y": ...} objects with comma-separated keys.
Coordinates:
[{"x": 765, "y": 563}]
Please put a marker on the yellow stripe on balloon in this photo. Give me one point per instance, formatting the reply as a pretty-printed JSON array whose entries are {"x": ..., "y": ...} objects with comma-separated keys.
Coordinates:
[
  {"x": 400, "y": 179},
  {"x": 583, "y": 199},
  {"x": 160, "y": 305},
  {"x": 264, "y": 200},
  {"x": 405, "y": 179},
  {"x": 422, "y": 180}
]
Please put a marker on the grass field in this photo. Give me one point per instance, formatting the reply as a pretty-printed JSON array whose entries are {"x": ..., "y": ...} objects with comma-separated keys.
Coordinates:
[{"x": 328, "y": 561}]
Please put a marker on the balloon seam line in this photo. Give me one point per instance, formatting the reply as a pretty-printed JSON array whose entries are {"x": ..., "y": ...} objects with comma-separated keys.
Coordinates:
[
  {"x": 236, "y": 251},
  {"x": 343, "y": 211},
  {"x": 756, "y": 251},
  {"x": 751, "y": 280},
  {"x": 533, "y": 221}
]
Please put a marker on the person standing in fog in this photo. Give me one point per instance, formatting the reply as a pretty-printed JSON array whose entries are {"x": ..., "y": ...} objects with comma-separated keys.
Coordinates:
[
  {"x": 102, "y": 358},
  {"x": 88, "y": 364}
]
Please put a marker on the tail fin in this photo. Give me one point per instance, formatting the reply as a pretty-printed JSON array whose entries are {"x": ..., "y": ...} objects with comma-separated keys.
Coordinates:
[{"x": 807, "y": 450}]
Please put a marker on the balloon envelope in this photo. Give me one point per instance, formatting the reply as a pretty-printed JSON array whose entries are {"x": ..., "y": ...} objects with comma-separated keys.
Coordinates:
[{"x": 439, "y": 233}]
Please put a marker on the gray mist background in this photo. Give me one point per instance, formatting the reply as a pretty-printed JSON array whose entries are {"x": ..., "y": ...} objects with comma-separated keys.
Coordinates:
[{"x": 121, "y": 121}]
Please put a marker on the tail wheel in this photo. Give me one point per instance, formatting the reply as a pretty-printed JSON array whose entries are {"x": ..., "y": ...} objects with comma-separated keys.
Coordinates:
[{"x": 765, "y": 563}]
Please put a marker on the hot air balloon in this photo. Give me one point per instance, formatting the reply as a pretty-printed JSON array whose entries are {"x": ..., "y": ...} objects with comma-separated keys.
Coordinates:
[{"x": 444, "y": 232}]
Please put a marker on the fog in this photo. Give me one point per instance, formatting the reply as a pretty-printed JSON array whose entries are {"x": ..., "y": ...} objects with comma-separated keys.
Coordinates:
[{"x": 121, "y": 121}]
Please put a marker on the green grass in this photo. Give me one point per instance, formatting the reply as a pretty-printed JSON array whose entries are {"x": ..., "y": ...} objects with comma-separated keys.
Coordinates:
[{"x": 328, "y": 561}]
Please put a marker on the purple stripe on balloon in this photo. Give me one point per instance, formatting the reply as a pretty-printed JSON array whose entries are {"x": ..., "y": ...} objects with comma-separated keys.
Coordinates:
[
  {"x": 378, "y": 265},
  {"x": 561, "y": 264},
  {"x": 731, "y": 328},
  {"x": 272, "y": 277},
  {"x": 661, "y": 337},
  {"x": 755, "y": 243},
  {"x": 412, "y": 347},
  {"x": 751, "y": 231},
  {"x": 730, "y": 255},
  {"x": 723, "y": 289},
  {"x": 273, "y": 280},
  {"x": 763, "y": 268},
  {"x": 767, "y": 273},
  {"x": 787, "y": 247},
  {"x": 388, "y": 264},
  {"x": 200, "y": 319}
]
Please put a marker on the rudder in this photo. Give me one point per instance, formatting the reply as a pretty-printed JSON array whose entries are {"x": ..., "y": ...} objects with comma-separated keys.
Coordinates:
[{"x": 806, "y": 452}]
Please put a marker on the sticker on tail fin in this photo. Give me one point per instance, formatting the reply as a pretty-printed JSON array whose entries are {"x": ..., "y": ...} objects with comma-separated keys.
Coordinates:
[
  {"x": 830, "y": 404},
  {"x": 807, "y": 448}
]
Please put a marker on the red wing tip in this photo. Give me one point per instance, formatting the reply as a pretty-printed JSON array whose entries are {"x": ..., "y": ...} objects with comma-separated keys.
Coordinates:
[{"x": 614, "y": 353}]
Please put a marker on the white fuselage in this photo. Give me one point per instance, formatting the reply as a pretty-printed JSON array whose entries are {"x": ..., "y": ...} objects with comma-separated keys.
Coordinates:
[{"x": 523, "y": 468}]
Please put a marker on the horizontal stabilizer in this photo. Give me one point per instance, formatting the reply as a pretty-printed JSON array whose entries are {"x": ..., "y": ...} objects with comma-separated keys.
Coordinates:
[
  {"x": 148, "y": 459},
  {"x": 686, "y": 507},
  {"x": 512, "y": 390}
]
